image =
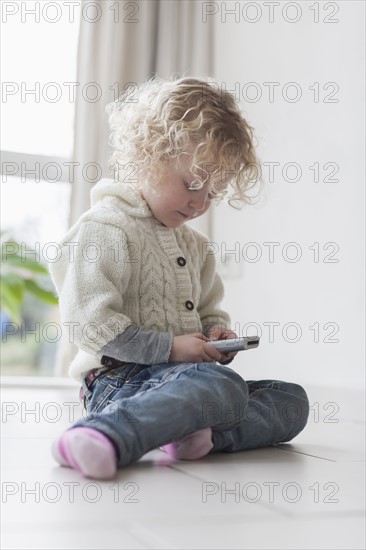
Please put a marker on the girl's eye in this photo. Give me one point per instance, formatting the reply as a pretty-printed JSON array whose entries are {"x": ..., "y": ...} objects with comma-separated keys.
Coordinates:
[{"x": 193, "y": 185}]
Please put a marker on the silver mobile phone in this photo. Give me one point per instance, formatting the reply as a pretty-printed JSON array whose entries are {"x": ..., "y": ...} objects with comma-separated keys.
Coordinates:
[{"x": 236, "y": 344}]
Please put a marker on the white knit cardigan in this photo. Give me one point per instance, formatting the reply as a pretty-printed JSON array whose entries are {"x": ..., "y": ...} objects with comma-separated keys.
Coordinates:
[{"x": 120, "y": 266}]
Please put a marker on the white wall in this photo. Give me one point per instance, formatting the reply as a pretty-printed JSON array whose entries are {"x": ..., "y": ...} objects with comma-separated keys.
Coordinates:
[{"x": 306, "y": 292}]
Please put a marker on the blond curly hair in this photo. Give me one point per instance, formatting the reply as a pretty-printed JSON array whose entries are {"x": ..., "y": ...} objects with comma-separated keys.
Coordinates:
[{"x": 163, "y": 118}]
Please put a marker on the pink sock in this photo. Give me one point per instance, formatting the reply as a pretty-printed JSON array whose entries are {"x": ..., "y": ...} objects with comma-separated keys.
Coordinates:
[
  {"x": 191, "y": 447},
  {"x": 87, "y": 450}
]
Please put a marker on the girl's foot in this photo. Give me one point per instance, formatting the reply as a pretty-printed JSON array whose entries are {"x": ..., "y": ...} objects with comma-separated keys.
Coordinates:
[
  {"x": 191, "y": 447},
  {"x": 88, "y": 451}
]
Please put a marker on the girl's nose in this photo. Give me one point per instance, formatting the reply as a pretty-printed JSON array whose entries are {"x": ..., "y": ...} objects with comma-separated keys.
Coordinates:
[{"x": 199, "y": 202}]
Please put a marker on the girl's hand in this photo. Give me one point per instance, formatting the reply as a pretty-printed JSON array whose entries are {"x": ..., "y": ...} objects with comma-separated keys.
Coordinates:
[
  {"x": 194, "y": 348},
  {"x": 221, "y": 333}
]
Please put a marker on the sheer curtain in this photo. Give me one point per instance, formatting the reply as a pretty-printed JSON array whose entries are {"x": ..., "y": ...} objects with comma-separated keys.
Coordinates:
[
  {"x": 129, "y": 45},
  {"x": 123, "y": 43}
]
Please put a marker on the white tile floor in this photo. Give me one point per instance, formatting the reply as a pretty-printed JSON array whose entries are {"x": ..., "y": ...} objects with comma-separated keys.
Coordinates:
[{"x": 305, "y": 495}]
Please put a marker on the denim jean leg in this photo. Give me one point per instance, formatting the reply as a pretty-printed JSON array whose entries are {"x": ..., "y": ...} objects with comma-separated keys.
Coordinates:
[
  {"x": 277, "y": 411},
  {"x": 177, "y": 401}
]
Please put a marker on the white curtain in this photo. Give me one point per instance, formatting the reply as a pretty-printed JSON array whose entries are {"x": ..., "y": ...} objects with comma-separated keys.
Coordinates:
[
  {"x": 129, "y": 42},
  {"x": 162, "y": 37}
]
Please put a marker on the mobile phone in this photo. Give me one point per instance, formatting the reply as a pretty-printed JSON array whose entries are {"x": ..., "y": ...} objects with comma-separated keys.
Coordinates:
[{"x": 236, "y": 344}]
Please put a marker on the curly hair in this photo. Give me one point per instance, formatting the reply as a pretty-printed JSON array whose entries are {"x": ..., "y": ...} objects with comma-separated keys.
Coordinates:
[{"x": 164, "y": 118}]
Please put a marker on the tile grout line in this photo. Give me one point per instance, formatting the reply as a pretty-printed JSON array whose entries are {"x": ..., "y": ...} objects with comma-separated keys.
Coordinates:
[{"x": 307, "y": 454}]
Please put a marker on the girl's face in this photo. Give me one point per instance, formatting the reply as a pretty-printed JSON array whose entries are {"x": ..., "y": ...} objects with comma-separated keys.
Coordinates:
[{"x": 171, "y": 200}]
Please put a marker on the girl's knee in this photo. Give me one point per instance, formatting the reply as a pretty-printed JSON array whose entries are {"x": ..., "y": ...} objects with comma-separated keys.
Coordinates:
[
  {"x": 297, "y": 409},
  {"x": 303, "y": 401}
]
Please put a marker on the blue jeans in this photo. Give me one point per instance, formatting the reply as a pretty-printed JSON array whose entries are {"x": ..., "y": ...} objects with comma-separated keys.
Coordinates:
[{"x": 141, "y": 407}]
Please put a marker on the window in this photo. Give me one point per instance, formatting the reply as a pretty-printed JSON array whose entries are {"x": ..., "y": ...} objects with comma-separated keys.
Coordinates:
[{"x": 38, "y": 60}]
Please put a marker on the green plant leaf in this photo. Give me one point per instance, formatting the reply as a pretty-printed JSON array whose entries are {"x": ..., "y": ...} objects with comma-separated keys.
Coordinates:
[
  {"x": 12, "y": 309},
  {"x": 12, "y": 292},
  {"x": 15, "y": 260},
  {"x": 43, "y": 294}
]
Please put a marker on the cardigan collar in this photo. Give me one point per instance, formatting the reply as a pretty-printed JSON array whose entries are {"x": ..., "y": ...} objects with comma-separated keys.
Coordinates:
[{"x": 133, "y": 203}]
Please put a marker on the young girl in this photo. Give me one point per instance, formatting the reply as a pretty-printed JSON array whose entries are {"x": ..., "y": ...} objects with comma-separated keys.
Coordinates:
[{"x": 140, "y": 290}]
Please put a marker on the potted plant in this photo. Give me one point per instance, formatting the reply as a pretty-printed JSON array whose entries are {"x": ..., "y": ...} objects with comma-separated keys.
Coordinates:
[{"x": 20, "y": 275}]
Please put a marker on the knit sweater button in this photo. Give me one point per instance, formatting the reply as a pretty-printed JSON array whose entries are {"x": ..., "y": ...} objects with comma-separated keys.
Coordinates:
[
  {"x": 189, "y": 305},
  {"x": 181, "y": 261}
]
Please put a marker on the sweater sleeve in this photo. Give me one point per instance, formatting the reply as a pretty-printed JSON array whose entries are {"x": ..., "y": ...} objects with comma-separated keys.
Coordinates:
[
  {"x": 91, "y": 278},
  {"x": 145, "y": 347},
  {"x": 212, "y": 292}
]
